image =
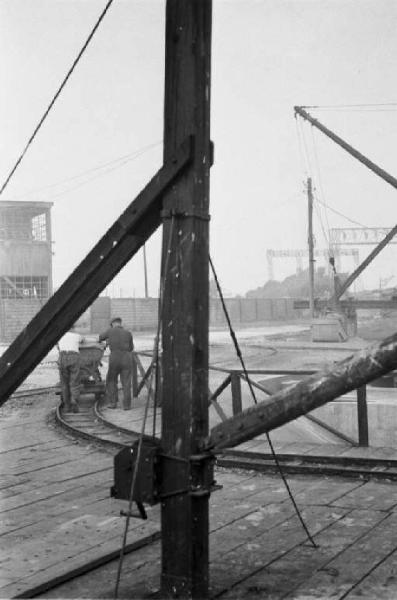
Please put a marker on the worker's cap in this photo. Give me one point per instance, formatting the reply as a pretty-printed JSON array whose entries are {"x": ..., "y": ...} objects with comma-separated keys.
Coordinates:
[{"x": 115, "y": 320}]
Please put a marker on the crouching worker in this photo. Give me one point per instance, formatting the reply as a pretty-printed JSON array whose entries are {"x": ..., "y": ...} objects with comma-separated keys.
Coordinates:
[
  {"x": 121, "y": 345},
  {"x": 69, "y": 369}
]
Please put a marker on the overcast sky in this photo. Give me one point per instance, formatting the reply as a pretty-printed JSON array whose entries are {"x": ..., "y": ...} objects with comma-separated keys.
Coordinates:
[{"x": 268, "y": 55}]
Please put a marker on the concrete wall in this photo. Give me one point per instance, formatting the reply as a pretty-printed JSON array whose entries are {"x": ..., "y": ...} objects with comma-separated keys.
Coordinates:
[
  {"x": 15, "y": 315},
  {"x": 382, "y": 421},
  {"x": 140, "y": 314}
]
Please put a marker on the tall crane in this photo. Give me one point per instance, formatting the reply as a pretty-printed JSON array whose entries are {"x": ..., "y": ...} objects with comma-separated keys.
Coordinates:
[{"x": 299, "y": 110}]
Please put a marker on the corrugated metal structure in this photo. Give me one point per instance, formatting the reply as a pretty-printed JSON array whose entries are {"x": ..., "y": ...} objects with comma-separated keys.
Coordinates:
[{"x": 25, "y": 263}]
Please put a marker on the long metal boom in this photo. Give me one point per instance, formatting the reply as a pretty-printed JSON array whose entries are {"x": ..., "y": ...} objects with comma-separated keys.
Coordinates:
[
  {"x": 295, "y": 401},
  {"x": 352, "y": 151}
]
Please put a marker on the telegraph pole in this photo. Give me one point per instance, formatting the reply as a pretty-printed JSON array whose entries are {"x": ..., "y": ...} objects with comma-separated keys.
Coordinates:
[
  {"x": 311, "y": 246},
  {"x": 187, "y": 471}
]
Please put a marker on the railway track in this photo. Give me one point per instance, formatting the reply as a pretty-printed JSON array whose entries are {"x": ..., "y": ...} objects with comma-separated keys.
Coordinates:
[
  {"x": 355, "y": 467},
  {"x": 90, "y": 424}
]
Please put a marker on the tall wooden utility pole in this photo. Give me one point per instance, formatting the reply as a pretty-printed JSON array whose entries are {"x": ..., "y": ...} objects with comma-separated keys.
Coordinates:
[
  {"x": 311, "y": 246},
  {"x": 185, "y": 311}
]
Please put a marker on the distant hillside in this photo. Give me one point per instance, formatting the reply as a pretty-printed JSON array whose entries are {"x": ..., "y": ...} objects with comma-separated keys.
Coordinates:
[{"x": 297, "y": 286}]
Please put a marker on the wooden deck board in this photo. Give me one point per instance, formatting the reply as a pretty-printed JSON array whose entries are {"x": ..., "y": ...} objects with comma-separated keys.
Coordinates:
[
  {"x": 353, "y": 564},
  {"x": 376, "y": 495},
  {"x": 61, "y": 564},
  {"x": 56, "y": 514},
  {"x": 282, "y": 577},
  {"x": 19, "y": 522},
  {"x": 234, "y": 566},
  {"x": 381, "y": 583}
]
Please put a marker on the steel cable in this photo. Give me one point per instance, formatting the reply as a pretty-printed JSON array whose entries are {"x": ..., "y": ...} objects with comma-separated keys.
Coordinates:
[
  {"x": 140, "y": 439},
  {"x": 58, "y": 92},
  {"x": 252, "y": 391}
]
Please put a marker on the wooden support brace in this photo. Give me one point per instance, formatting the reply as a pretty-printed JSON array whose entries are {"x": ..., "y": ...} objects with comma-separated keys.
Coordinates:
[
  {"x": 216, "y": 406},
  {"x": 145, "y": 376},
  {"x": 362, "y": 416},
  {"x": 256, "y": 385},
  {"x": 310, "y": 393},
  {"x": 213, "y": 397},
  {"x": 135, "y": 391},
  {"x": 236, "y": 393},
  {"x": 124, "y": 238},
  {"x": 221, "y": 388}
]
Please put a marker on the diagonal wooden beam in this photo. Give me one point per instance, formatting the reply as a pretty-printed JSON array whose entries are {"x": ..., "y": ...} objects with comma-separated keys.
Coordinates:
[
  {"x": 310, "y": 393},
  {"x": 124, "y": 238}
]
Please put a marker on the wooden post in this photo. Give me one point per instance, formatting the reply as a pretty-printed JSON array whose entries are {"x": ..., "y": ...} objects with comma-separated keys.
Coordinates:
[
  {"x": 236, "y": 392},
  {"x": 134, "y": 376},
  {"x": 311, "y": 246},
  {"x": 362, "y": 416},
  {"x": 184, "y": 515}
]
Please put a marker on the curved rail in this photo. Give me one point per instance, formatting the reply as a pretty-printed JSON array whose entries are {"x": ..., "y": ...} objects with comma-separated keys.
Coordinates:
[
  {"x": 89, "y": 424},
  {"x": 92, "y": 425}
]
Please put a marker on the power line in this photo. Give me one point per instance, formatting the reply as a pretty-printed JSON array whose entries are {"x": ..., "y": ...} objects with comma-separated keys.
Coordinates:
[
  {"x": 43, "y": 118},
  {"x": 332, "y": 106},
  {"x": 113, "y": 164},
  {"x": 86, "y": 181},
  {"x": 340, "y": 214},
  {"x": 326, "y": 238},
  {"x": 301, "y": 151},
  {"x": 317, "y": 164}
]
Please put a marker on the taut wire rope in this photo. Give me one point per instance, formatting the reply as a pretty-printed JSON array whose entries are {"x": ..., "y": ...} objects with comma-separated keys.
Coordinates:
[
  {"x": 109, "y": 166},
  {"x": 56, "y": 95},
  {"x": 317, "y": 165},
  {"x": 252, "y": 391},
  {"x": 142, "y": 432}
]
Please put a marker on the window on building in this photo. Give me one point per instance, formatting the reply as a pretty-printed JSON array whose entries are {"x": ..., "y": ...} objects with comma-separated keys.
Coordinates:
[
  {"x": 39, "y": 228},
  {"x": 23, "y": 287},
  {"x": 20, "y": 225}
]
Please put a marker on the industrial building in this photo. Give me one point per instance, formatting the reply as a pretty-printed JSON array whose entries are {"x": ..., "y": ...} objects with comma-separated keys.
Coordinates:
[{"x": 25, "y": 263}]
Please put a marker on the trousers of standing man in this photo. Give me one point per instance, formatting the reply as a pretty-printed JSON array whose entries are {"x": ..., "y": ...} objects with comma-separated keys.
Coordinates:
[
  {"x": 69, "y": 374},
  {"x": 120, "y": 364}
]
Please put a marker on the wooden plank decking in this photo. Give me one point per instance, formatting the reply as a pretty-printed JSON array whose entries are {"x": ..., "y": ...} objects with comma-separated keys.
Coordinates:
[
  {"x": 56, "y": 515},
  {"x": 55, "y": 509}
]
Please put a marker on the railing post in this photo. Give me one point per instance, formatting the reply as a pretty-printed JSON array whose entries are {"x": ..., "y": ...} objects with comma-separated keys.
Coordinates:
[
  {"x": 362, "y": 416},
  {"x": 236, "y": 392},
  {"x": 134, "y": 376}
]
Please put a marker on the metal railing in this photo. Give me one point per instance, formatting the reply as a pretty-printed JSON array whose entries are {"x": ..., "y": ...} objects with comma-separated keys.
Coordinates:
[{"x": 235, "y": 377}]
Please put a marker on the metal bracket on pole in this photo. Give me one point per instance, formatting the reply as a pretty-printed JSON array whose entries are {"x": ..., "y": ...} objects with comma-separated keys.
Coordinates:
[
  {"x": 183, "y": 214},
  {"x": 156, "y": 474}
]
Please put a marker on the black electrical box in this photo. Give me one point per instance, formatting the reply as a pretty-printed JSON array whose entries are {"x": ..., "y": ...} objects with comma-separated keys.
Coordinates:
[{"x": 147, "y": 483}]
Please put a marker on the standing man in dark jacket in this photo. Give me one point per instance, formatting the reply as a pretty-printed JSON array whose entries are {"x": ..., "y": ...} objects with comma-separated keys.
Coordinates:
[{"x": 121, "y": 345}]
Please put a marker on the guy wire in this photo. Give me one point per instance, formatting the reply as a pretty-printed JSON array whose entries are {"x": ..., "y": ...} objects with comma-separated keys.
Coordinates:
[{"x": 240, "y": 356}]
